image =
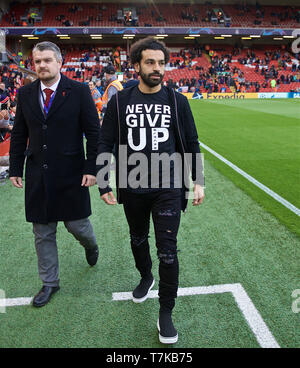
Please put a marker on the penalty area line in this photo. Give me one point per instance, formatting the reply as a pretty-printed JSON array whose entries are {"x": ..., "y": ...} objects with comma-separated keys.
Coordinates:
[
  {"x": 253, "y": 318},
  {"x": 267, "y": 190}
]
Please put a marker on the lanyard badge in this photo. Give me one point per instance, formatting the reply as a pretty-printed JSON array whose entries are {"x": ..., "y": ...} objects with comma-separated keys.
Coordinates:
[{"x": 46, "y": 109}]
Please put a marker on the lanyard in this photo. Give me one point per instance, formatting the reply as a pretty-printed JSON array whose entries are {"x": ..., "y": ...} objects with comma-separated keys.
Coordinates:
[{"x": 46, "y": 109}]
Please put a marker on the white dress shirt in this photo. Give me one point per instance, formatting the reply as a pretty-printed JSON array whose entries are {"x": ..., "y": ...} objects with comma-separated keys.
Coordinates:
[{"x": 53, "y": 87}]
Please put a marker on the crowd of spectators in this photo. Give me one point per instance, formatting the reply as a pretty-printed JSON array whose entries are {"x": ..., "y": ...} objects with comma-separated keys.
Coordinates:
[
  {"x": 270, "y": 72},
  {"x": 11, "y": 81},
  {"x": 98, "y": 57},
  {"x": 221, "y": 76},
  {"x": 224, "y": 74}
]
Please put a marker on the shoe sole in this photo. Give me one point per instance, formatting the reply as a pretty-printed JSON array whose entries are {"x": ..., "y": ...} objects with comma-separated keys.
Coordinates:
[
  {"x": 166, "y": 340},
  {"x": 141, "y": 300}
]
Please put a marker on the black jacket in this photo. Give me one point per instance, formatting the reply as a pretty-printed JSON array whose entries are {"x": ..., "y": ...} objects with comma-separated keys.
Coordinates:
[
  {"x": 113, "y": 131},
  {"x": 54, "y": 152}
]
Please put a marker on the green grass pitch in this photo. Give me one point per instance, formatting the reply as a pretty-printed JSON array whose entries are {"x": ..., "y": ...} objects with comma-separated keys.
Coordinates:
[
  {"x": 239, "y": 235},
  {"x": 261, "y": 137}
]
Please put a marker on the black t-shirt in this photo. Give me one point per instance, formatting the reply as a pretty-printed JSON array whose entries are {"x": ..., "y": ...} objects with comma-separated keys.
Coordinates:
[{"x": 150, "y": 133}]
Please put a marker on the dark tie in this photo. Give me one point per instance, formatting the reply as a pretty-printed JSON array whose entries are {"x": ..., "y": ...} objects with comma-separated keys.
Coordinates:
[{"x": 48, "y": 93}]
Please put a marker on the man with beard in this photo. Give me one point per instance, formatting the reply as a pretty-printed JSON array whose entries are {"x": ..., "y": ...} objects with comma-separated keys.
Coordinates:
[
  {"x": 148, "y": 120},
  {"x": 52, "y": 115}
]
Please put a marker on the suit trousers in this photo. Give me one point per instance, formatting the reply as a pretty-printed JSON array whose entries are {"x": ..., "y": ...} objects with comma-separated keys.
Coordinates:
[{"x": 46, "y": 246}]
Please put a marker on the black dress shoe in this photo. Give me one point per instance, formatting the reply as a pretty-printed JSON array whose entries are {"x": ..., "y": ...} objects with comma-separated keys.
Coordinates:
[
  {"x": 44, "y": 295},
  {"x": 92, "y": 256}
]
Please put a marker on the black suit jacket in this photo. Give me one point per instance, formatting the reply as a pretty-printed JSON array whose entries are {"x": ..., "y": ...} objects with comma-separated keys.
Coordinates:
[{"x": 54, "y": 151}]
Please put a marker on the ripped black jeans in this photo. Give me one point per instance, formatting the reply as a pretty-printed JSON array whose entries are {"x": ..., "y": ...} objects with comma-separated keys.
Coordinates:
[{"x": 165, "y": 207}]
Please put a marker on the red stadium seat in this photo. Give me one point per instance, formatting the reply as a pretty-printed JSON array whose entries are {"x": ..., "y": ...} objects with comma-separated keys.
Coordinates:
[{"x": 172, "y": 15}]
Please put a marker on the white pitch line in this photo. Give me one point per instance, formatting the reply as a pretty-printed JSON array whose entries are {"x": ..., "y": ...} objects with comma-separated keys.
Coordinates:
[
  {"x": 181, "y": 292},
  {"x": 254, "y": 319},
  {"x": 261, "y": 332},
  {"x": 267, "y": 190},
  {"x": 259, "y": 328},
  {"x": 13, "y": 302}
]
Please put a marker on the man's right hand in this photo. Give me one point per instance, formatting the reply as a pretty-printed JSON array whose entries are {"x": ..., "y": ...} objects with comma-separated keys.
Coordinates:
[
  {"x": 109, "y": 198},
  {"x": 16, "y": 181}
]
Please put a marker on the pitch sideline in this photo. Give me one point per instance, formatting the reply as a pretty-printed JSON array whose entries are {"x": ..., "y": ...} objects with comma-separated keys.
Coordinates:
[{"x": 267, "y": 190}]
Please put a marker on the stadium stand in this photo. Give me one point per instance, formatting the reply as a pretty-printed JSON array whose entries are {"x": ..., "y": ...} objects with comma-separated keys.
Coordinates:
[
  {"x": 178, "y": 15},
  {"x": 209, "y": 68},
  {"x": 198, "y": 67},
  {"x": 226, "y": 69}
]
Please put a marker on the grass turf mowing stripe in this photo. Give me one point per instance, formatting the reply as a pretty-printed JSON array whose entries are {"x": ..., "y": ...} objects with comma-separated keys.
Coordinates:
[{"x": 274, "y": 195}]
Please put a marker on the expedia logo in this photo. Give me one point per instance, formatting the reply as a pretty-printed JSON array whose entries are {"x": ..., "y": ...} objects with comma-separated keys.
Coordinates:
[{"x": 227, "y": 96}]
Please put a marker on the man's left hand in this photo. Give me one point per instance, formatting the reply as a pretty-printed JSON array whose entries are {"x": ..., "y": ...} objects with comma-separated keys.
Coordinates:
[
  {"x": 88, "y": 180},
  {"x": 198, "y": 195}
]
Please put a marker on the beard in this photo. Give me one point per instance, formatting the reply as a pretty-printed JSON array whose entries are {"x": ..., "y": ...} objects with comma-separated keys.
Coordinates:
[
  {"x": 47, "y": 76},
  {"x": 146, "y": 78}
]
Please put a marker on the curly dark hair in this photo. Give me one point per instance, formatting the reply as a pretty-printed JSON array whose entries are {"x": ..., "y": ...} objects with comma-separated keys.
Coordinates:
[{"x": 148, "y": 43}]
